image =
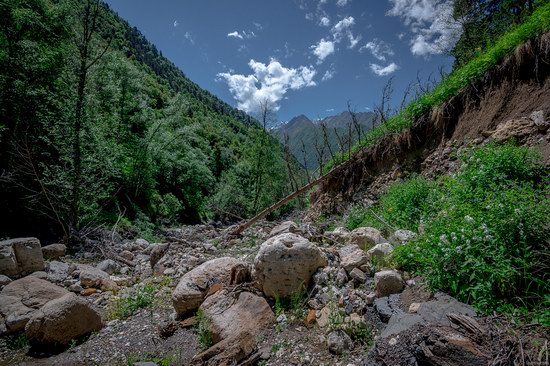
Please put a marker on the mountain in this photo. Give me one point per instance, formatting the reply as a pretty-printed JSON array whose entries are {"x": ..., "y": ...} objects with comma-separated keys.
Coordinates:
[
  {"x": 98, "y": 128},
  {"x": 306, "y": 138}
]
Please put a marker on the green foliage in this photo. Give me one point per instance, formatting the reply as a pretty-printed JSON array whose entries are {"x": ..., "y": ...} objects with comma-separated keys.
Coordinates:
[
  {"x": 485, "y": 229},
  {"x": 17, "y": 342},
  {"x": 124, "y": 306},
  {"x": 166, "y": 360},
  {"x": 534, "y": 25},
  {"x": 293, "y": 304},
  {"x": 203, "y": 329},
  {"x": 154, "y": 146}
]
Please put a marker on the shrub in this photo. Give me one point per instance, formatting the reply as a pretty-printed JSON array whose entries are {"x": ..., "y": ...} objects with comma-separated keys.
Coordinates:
[
  {"x": 485, "y": 235},
  {"x": 203, "y": 329}
]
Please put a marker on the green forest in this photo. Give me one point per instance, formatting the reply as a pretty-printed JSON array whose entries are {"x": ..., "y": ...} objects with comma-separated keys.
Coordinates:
[{"x": 97, "y": 127}]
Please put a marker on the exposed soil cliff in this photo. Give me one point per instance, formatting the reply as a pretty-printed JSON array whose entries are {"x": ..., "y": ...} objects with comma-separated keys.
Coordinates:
[{"x": 499, "y": 106}]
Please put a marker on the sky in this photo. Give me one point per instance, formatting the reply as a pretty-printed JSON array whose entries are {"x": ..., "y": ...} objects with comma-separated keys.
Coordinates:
[{"x": 301, "y": 56}]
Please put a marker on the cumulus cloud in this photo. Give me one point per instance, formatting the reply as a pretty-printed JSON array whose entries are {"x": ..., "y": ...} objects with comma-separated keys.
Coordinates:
[
  {"x": 433, "y": 30},
  {"x": 323, "y": 49},
  {"x": 339, "y": 31},
  {"x": 378, "y": 48},
  {"x": 176, "y": 23},
  {"x": 269, "y": 82},
  {"x": 342, "y": 2},
  {"x": 384, "y": 70}
]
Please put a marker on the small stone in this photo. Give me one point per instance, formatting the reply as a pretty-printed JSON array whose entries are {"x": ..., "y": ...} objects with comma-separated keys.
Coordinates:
[
  {"x": 126, "y": 254},
  {"x": 338, "y": 342},
  {"x": 413, "y": 308},
  {"x": 108, "y": 266},
  {"x": 387, "y": 283},
  {"x": 189, "y": 322},
  {"x": 40, "y": 274},
  {"x": 76, "y": 288},
  {"x": 169, "y": 271},
  {"x": 358, "y": 275},
  {"x": 54, "y": 251},
  {"x": 370, "y": 298},
  {"x": 311, "y": 316},
  {"x": 380, "y": 250},
  {"x": 4, "y": 280},
  {"x": 88, "y": 291}
]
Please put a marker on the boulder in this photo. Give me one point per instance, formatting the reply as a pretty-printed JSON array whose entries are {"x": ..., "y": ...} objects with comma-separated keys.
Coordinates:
[
  {"x": 33, "y": 292},
  {"x": 387, "y": 283},
  {"x": 339, "y": 235},
  {"x": 400, "y": 237},
  {"x": 285, "y": 227},
  {"x": 434, "y": 312},
  {"x": 231, "y": 315},
  {"x": 96, "y": 278},
  {"x": 366, "y": 237},
  {"x": 57, "y": 271},
  {"x": 379, "y": 251},
  {"x": 8, "y": 262},
  {"x": 358, "y": 275},
  {"x": 126, "y": 254},
  {"x": 236, "y": 320},
  {"x": 54, "y": 251},
  {"x": 61, "y": 320},
  {"x": 4, "y": 280},
  {"x": 108, "y": 266},
  {"x": 20, "y": 256},
  {"x": 14, "y": 313},
  {"x": 339, "y": 342},
  {"x": 193, "y": 286},
  {"x": 285, "y": 264},
  {"x": 351, "y": 256}
]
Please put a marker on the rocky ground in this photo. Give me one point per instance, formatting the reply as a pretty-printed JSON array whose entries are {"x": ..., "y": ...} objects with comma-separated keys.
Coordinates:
[{"x": 287, "y": 294}]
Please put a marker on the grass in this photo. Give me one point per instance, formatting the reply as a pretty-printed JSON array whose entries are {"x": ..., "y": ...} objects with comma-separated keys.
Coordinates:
[
  {"x": 534, "y": 26},
  {"x": 123, "y": 307},
  {"x": 17, "y": 342},
  {"x": 166, "y": 360},
  {"x": 485, "y": 230},
  {"x": 294, "y": 305},
  {"x": 203, "y": 330}
]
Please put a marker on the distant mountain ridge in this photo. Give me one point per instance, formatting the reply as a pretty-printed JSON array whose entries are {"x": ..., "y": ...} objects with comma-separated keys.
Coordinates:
[{"x": 304, "y": 134}]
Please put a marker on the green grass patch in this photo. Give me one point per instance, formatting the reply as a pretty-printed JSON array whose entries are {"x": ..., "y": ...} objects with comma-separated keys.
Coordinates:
[
  {"x": 485, "y": 230},
  {"x": 534, "y": 26},
  {"x": 203, "y": 329},
  {"x": 124, "y": 306}
]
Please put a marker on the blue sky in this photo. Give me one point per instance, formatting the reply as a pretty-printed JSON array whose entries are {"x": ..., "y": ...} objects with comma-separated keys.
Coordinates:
[{"x": 302, "y": 56}]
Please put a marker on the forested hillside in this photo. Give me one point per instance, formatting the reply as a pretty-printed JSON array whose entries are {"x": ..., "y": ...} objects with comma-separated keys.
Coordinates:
[{"x": 97, "y": 128}]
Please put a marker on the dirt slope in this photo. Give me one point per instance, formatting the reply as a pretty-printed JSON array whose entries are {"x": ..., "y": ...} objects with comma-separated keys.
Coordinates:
[{"x": 519, "y": 86}]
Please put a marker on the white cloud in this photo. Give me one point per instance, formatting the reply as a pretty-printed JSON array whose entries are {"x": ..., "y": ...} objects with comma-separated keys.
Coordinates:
[
  {"x": 384, "y": 70},
  {"x": 378, "y": 48},
  {"x": 433, "y": 30},
  {"x": 269, "y": 82},
  {"x": 329, "y": 74},
  {"x": 330, "y": 110},
  {"x": 324, "y": 21},
  {"x": 342, "y": 27},
  {"x": 235, "y": 34},
  {"x": 176, "y": 23},
  {"x": 242, "y": 35},
  {"x": 258, "y": 26},
  {"x": 323, "y": 49},
  {"x": 188, "y": 36},
  {"x": 353, "y": 41},
  {"x": 342, "y": 2},
  {"x": 309, "y": 16}
]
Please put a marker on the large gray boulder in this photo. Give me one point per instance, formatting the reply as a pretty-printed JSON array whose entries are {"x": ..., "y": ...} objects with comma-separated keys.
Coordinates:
[
  {"x": 285, "y": 264},
  {"x": 32, "y": 291},
  {"x": 20, "y": 256},
  {"x": 61, "y": 320},
  {"x": 194, "y": 285}
]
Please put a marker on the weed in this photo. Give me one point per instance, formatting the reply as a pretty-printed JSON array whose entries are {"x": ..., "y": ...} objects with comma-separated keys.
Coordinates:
[
  {"x": 275, "y": 348},
  {"x": 203, "y": 329},
  {"x": 166, "y": 360},
  {"x": 293, "y": 305},
  {"x": 124, "y": 306},
  {"x": 17, "y": 342},
  {"x": 485, "y": 233}
]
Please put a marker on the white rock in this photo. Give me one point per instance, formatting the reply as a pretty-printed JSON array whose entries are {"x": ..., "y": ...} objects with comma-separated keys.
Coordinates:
[
  {"x": 285, "y": 264},
  {"x": 387, "y": 283}
]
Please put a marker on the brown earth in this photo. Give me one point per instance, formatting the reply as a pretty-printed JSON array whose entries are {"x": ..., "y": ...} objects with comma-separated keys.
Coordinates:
[{"x": 519, "y": 86}]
